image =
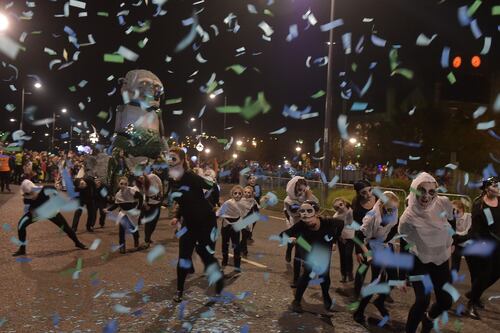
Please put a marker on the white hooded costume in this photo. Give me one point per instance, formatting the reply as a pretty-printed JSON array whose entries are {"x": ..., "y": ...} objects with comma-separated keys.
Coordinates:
[
  {"x": 427, "y": 229},
  {"x": 292, "y": 200}
]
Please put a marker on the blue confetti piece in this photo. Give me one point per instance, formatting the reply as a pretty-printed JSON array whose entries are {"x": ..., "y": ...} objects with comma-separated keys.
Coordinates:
[
  {"x": 139, "y": 285},
  {"x": 69, "y": 31},
  {"x": 209, "y": 249},
  {"x": 23, "y": 260},
  {"x": 55, "y": 319},
  {"x": 316, "y": 282},
  {"x": 445, "y": 57},
  {"x": 387, "y": 258},
  {"x": 427, "y": 284},
  {"x": 242, "y": 224},
  {"x": 111, "y": 327},
  {"x": 401, "y": 161},
  {"x": 278, "y": 131},
  {"x": 245, "y": 329},
  {"x": 379, "y": 288},
  {"x": 184, "y": 188},
  {"x": 224, "y": 173},
  {"x": 243, "y": 295},
  {"x": 444, "y": 318},
  {"x": 293, "y": 32},
  {"x": 207, "y": 314},
  {"x": 187, "y": 326},
  {"x": 463, "y": 16},
  {"x": 185, "y": 263},
  {"x": 180, "y": 312},
  {"x": 328, "y": 238},
  {"x": 358, "y": 106},
  {"x": 377, "y": 41},
  {"x": 181, "y": 232},
  {"x": 6, "y": 227},
  {"x": 479, "y": 248},
  {"x": 70, "y": 187},
  {"x": 272, "y": 199},
  {"x": 489, "y": 216},
  {"x": 378, "y": 178},
  {"x": 103, "y": 192},
  {"x": 452, "y": 291},
  {"x": 213, "y": 273},
  {"x": 383, "y": 321},
  {"x": 155, "y": 253},
  {"x": 214, "y": 234},
  {"x": 332, "y": 25},
  {"x": 323, "y": 177},
  {"x": 354, "y": 226},
  {"x": 460, "y": 309},
  {"x": 476, "y": 32}
]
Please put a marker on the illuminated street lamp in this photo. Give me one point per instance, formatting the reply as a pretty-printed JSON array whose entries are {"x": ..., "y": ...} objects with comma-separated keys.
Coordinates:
[
  {"x": 192, "y": 119},
  {"x": 207, "y": 150},
  {"x": 37, "y": 85},
  {"x": 235, "y": 156},
  {"x": 239, "y": 143},
  {"x": 64, "y": 110},
  {"x": 353, "y": 140},
  {"x": 212, "y": 96},
  {"x": 12, "y": 120},
  {"x": 298, "y": 149},
  {"x": 4, "y": 22},
  {"x": 79, "y": 123}
]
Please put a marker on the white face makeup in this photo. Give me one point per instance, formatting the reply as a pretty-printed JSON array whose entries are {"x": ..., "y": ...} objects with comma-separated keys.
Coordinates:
[
  {"x": 173, "y": 160},
  {"x": 237, "y": 194},
  {"x": 366, "y": 193},
  {"x": 390, "y": 207},
  {"x": 252, "y": 180},
  {"x": 307, "y": 213},
  {"x": 301, "y": 190},
  {"x": 426, "y": 194},
  {"x": 457, "y": 212},
  {"x": 339, "y": 207},
  {"x": 248, "y": 193}
]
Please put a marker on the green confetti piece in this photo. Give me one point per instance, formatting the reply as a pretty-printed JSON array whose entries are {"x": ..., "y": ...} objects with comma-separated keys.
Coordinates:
[
  {"x": 304, "y": 244},
  {"x": 13, "y": 148},
  {"x": 79, "y": 264},
  {"x": 49, "y": 51},
  {"x": 353, "y": 306},
  {"x": 38, "y": 32},
  {"x": 268, "y": 12},
  {"x": 142, "y": 43},
  {"x": 407, "y": 73},
  {"x": 408, "y": 246},
  {"x": 358, "y": 241},
  {"x": 72, "y": 88},
  {"x": 354, "y": 66},
  {"x": 472, "y": 9},
  {"x": 451, "y": 77},
  {"x": 173, "y": 101},
  {"x": 319, "y": 94},
  {"x": 4, "y": 137},
  {"x": 116, "y": 58},
  {"x": 495, "y": 10},
  {"x": 241, "y": 148},
  {"x": 223, "y": 141},
  {"x": 228, "y": 109},
  {"x": 102, "y": 115},
  {"x": 227, "y": 162},
  {"x": 213, "y": 85},
  {"x": 368, "y": 254},
  {"x": 238, "y": 69},
  {"x": 393, "y": 59},
  {"x": 362, "y": 268},
  {"x": 140, "y": 29},
  {"x": 458, "y": 325},
  {"x": 103, "y": 14}
]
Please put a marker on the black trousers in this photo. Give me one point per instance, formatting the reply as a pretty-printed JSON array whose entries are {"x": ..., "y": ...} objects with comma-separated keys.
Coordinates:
[
  {"x": 359, "y": 279},
  {"x": 197, "y": 239},
  {"x": 439, "y": 275},
  {"x": 297, "y": 261},
  {"x": 91, "y": 216},
  {"x": 58, "y": 220},
  {"x": 150, "y": 227},
  {"x": 487, "y": 272},
  {"x": 303, "y": 282},
  {"x": 102, "y": 214},
  {"x": 345, "y": 255},
  {"x": 474, "y": 266},
  {"x": 126, "y": 226},
  {"x": 229, "y": 234},
  {"x": 18, "y": 174},
  {"x": 245, "y": 236},
  {"x": 5, "y": 180},
  {"x": 456, "y": 258},
  {"x": 385, "y": 274}
]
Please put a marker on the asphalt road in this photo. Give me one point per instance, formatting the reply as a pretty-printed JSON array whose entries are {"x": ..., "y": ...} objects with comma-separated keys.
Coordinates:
[{"x": 43, "y": 294}]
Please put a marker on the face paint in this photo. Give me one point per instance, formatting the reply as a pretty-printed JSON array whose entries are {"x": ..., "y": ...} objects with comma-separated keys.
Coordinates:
[
  {"x": 301, "y": 191},
  {"x": 248, "y": 194},
  {"x": 426, "y": 194},
  {"x": 493, "y": 190},
  {"x": 173, "y": 160},
  {"x": 307, "y": 214},
  {"x": 237, "y": 195},
  {"x": 339, "y": 207},
  {"x": 366, "y": 193}
]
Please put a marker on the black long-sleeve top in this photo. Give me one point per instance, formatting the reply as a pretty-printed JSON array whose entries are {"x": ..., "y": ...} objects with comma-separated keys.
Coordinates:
[
  {"x": 88, "y": 195},
  {"x": 193, "y": 207},
  {"x": 43, "y": 196},
  {"x": 480, "y": 228},
  {"x": 327, "y": 234}
]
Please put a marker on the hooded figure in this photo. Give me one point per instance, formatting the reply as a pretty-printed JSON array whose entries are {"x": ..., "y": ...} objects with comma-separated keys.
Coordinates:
[
  {"x": 297, "y": 192},
  {"x": 425, "y": 226}
]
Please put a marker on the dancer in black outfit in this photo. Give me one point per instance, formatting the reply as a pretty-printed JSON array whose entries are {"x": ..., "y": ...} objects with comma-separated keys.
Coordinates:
[
  {"x": 87, "y": 197},
  {"x": 34, "y": 198},
  {"x": 463, "y": 222},
  {"x": 343, "y": 211},
  {"x": 103, "y": 198},
  {"x": 485, "y": 228},
  {"x": 320, "y": 233},
  {"x": 197, "y": 217},
  {"x": 378, "y": 228},
  {"x": 425, "y": 226},
  {"x": 362, "y": 203}
]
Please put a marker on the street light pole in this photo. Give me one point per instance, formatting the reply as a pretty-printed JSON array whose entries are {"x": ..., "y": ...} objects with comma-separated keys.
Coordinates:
[
  {"x": 53, "y": 130},
  {"x": 327, "y": 161},
  {"x": 22, "y": 109}
]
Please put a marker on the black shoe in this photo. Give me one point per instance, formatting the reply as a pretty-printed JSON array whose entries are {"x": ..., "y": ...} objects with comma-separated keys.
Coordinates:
[
  {"x": 122, "y": 250},
  {"x": 296, "y": 307},
  {"x": 381, "y": 308},
  {"x": 480, "y": 304},
  {"x": 89, "y": 229},
  {"x": 359, "y": 318},
  {"x": 244, "y": 254},
  {"x": 344, "y": 279},
  {"x": 293, "y": 285},
  {"x": 178, "y": 297},
  {"x": 472, "y": 311},
  {"x": 350, "y": 278},
  {"x": 20, "y": 252},
  {"x": 328, "y": 304},
  {"x": 80, "y": 246},
  {"x": 288, "y": 256},
  {"x": 427, "y": 324},
  {"x": 102, "y": 225}
]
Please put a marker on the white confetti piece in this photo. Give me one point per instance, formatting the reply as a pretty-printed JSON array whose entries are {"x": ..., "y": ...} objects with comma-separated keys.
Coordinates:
[
  {"x": 118, "y": 308},
  {"x": 127, "y": 53},
  {"x": 155, "y": 253},
  {"x": 279, "y": 131},
  {"x": 485, "y": 125},
  {"x": 342, "y": 126},
  {"x": 95, "y": 244},
  {"x": 486, "y": 46},
  {"x": 479, "y": 112},
  {"x": 423, "y": 40},
  {"x": 77, "y": 4},
  {"x": 9, "y": 47},
  {"x": 268, "y": 31},
  {"x": 377, "y": 41},
  {"x": 331, "y": 25}
]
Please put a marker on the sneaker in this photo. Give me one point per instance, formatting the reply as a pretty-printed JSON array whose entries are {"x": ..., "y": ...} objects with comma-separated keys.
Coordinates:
[
  {"x": 80, "y": 246},
  {"x": 344, "y": 279},
  {"x": 178, "y": 297},
  {"x": 350, "y": 278},
  {"x": 293, "y": 285},
  {"x": 427, "y": 324},
  {"x": 359, "y": 318},
  {"x": 122, "y": 250},
  {"x": 296, "y": 307},
  {"x": 236, "y": 272},
  {"x": 472, "y": 311},
  {"x": 20, "y": 252}
]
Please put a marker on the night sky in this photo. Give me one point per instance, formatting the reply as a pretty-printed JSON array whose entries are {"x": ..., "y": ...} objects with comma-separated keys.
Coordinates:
[{"x": 276, "y": 67}]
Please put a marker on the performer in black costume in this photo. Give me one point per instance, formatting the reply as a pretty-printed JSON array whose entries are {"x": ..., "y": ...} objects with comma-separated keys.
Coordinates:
[
  {"x": 34, "y": 197},
  {"x": 86, "y": 189},
  {"x": 103, "y": 198},
  {"x": 196, "y": 216}
]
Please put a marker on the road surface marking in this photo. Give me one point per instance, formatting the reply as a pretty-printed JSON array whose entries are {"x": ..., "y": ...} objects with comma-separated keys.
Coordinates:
[{"x": 250, "y": 262}]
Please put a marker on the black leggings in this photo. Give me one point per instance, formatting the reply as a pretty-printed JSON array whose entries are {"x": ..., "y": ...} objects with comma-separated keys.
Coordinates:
[
  {"x": 345, "y": 255},
  {"x": 199, "y": 240},
  {"x": 303, "y": 282},
  {"x": 150, "y": 227},
  {"x": 487, "y": 274},
  {"x": 5, "y": 180},
  {"x": 91, "y": 217},
  {"x": 439, "y": 275},
  {"x": 385, "y": 275},
  {"x": 245, "y": 236},
  {"x": 297, "y": 261},
  {"x": 229, "y": 234},
  {"x": 126, "y": 226},
  {"x": 456, "y": 258},
  {"x": 102, "y": 214},
  {"x": 58, "y": 220}
]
